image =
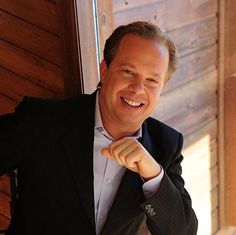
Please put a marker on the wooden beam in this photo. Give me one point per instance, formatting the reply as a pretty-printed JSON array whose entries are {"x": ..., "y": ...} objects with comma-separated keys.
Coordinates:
[
  {"x": 230, "y": 112},
  {"x": 69, "y": 36},
  {"x": 221, "y": 94},
  {"x": 105, "y": 21}
]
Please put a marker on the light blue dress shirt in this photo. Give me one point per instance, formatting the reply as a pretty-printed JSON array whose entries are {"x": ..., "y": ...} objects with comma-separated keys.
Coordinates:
[{"x": 108, "y": 174}]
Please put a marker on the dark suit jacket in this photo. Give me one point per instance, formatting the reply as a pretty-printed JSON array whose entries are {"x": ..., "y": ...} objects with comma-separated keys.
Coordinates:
[{"x": 51, "y": 144}]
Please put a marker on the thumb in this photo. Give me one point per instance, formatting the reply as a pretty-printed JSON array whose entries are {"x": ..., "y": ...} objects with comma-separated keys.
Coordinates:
[{"x": 106, "y": 152}]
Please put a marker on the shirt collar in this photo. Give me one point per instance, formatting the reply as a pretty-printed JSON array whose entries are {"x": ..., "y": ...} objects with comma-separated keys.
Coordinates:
[{"x": 99, "y": 126}]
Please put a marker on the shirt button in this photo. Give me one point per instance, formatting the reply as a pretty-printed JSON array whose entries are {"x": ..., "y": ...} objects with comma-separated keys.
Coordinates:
[{"x": 108, "y": 181}]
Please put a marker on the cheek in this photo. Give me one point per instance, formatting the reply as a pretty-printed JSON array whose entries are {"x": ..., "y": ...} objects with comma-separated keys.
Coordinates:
[{"x": 154, "y": 97}]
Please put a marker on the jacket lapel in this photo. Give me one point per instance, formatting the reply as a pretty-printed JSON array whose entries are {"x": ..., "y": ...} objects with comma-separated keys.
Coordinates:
[
  {"x": 78, "y": 147},
  {"x": 126, "y": 205}
]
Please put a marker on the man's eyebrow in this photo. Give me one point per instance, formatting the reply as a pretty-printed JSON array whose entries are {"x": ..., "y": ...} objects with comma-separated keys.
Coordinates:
[
  {"x": 156, "y": 75},
  {"x": 127, "y": 64},
  {"x": 133, "y": 67}
]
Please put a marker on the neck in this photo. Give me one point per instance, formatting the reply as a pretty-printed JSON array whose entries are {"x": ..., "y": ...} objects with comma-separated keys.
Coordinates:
[{"x": 118, "y": 132}]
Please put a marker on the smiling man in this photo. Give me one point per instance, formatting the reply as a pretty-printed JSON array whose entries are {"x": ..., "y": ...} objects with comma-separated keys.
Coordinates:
[{"x": 99, "y": 164}]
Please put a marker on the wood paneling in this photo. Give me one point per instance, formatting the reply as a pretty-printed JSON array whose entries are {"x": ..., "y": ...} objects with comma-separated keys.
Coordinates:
[
  {"x": 21, "y": 86},
  {"x": 4, "y": 185},
  {"x": 4, "y": 222},
  {"x": 189, "y": 101},
  {"x": 230, "y": 111},
  {"x": 195, "y": 36},
  {"x": 31, "y": 63},
  {"x": 30, "y": 37},
  {"x": 168, "y": 14},
  {"x": 70, "y": 47},
  {"x": 7, "y": 104},
  {"x": 192, "y": 66},
  {"x": 5, "y": 202},
  {"x": 31, "y": 67},
  {"x": 187, "y": 96},
  {"x": 42, "y": 13}
]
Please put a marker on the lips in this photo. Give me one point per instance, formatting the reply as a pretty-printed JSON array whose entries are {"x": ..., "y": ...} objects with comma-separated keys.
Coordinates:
[{"x": 132, "y": 102}]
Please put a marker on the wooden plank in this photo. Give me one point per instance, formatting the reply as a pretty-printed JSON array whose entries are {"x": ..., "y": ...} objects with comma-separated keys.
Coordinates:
[
  {"x": 187, "y": 96},
  {"x": 191, "y": 120},
  {"x": 4, "y": 222},
  {"x": 207, "y": 199},
  {"x": 30, "y": 37},
  {"x": 16, "y": 87},
  {"x": 130, "y": 4},
  {"x": 197, "y": 171},
  {"x": 169, "y": 14},
  {"x": 221, "y": 108},
  {"x": 195, "y": 36},
  {"x": 105, "y": 20},
  {"x": 192, "y": 66},
  {"x": 6, "y": 104},
  {"x": 208, "y": 129},
  {"x": 206, "y": 146},
  {"x": 215, "y": 221},
  {"x": 41, "y": 13},
  {"x": 230, "y": 111},
  {"x": 214, "y": 199},
  {"x": 204, "y": 199},
  {"x": 70, "y": 45},
  {"x": 5, "y": 185},
  {"x": 5, "y": 205},
  {"x": 31, "y": 67},
  {"x": 227, "y": 231}
]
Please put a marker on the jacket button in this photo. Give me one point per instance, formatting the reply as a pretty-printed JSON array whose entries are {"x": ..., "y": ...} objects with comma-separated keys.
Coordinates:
[{"x": 150, "y": 210}]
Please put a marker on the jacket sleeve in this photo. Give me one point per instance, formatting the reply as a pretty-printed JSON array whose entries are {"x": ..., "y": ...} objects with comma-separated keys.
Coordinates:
[
  {"x": 169, "y": 210},
  {"x": 13, "y": 138}
]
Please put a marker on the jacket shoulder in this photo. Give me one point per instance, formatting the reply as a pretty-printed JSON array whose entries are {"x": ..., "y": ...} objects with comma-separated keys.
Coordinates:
[
  {"x": 163, "y": 139},
  {"x": 156, "y": 126},
  {"x": 41, "y": 107}
]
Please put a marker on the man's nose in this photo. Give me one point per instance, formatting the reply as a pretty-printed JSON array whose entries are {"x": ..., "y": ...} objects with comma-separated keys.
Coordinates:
[{"x": 136, "y": 86}]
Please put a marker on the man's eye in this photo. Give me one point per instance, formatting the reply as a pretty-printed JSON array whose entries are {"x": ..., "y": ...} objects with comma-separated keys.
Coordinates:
[
  {"x": 128, "y": 73},
  {"x": 152, "y": 81}
]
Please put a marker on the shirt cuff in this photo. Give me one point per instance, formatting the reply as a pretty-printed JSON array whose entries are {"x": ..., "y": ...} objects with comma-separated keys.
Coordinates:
[{"x": 151, "y": 186}]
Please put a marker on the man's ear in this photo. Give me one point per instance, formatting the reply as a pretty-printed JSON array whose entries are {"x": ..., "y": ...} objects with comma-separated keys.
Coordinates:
[{"x": 103, "y": 70}]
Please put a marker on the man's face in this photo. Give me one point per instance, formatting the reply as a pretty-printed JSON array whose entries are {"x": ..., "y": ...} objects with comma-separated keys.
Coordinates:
[{"x": 133, "y": 82}]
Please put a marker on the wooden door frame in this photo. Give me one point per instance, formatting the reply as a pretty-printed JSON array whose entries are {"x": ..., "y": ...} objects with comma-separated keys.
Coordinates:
[
  {"x": 70, "y": 46},
  {"x": 227, "y": 113}
]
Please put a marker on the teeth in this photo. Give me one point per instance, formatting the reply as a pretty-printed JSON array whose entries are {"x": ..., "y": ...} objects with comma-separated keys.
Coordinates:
[{"x": 131, "y": 102}]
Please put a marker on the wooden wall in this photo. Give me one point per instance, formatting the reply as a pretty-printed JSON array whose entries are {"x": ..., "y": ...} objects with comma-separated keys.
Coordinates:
[
  {"x": 229, "y": 55},
  {"x": 30, "y": 58},
  {"x": 30, "y": 63},
  {"x": 189, "y": 101}
]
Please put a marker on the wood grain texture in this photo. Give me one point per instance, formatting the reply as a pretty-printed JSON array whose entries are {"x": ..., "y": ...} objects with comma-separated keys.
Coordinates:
[
  {"x": 30, "y": 37},
  {"x": 4, "y": 222},
  {"x": 192, "y": 66},
  {"x": 230, "y": 112},
  {"x": 42, "y": 13},
  {"x": 4, "y": 185},
  {"x": 31, "y": 67},
  {"x": 169, "y": 14},
  {"x": 187, "y": 96},
  {"x": 22, "y": 87},
  {"x": 5, "y": 202}
]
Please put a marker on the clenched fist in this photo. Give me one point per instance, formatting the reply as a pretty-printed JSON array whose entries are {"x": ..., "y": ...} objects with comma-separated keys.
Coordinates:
[{"x": 131, "y": 154}]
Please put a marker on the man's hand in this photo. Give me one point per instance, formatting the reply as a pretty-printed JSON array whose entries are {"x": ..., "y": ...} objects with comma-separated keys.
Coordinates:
[{"x": 131, "y": 154}]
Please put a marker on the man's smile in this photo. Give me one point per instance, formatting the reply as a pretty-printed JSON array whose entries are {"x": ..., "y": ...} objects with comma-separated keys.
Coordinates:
[{"x": 132, "y": 102}]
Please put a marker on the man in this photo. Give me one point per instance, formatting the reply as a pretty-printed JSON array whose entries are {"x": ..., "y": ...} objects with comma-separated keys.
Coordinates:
[{"x": 98, "y": 164}]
